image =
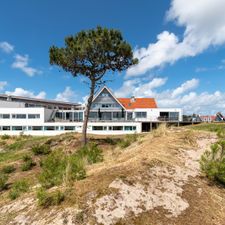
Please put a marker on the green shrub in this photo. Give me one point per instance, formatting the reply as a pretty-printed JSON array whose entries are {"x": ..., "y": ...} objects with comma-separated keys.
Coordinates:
[
  {"x": 91, "y": 152},
  {"x": 8, "y": 169},
  {"x": 128, "y": 140},
  {"x": 75, "y": 168},
  {"x": 41, "y": 149},
  {"x": 18, "y": 188},
  {"x": 57, "y": 167},
  {"x": 53, "y": 169},
  {"x": 46, "y": 199},
  {"x": 5, "y": 137},
  {"x": 213, "y": 162},
  {"x": 28, "y": 163},
  {"x": 3, "y": 181}
]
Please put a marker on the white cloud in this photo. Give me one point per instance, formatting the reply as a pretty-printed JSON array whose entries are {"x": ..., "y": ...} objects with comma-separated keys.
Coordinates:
[
  {"x": 2, "y": 85},
  {"x": 68, "y": 95},
  {"x": 6, "y": 47},
  {"x": 183, "y": 96},
  {"x": 137, "y": 88},
  {"x": 21, "y": 62},
  {"x": 26, "y": 93},
  {"x": 204, "y": 22},
  {"x": 186, "y": 86}
]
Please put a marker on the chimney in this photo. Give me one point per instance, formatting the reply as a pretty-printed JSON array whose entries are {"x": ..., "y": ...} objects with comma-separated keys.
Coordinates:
[{"x": 132, "y": 99}]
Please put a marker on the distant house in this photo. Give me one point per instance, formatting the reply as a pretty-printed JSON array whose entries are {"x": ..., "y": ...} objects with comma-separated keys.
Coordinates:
[
  {"x": 219, "y": 117},
  {"x": 208, "y": 118}
]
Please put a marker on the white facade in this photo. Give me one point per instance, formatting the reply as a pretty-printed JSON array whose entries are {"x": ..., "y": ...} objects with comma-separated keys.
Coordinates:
[{"x": 16, "y": 118}]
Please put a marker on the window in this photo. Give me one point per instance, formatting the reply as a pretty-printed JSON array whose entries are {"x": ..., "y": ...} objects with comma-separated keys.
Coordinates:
[
  {"x": 6, "y": 128},
  {"x": 33, "y": 116},
  {"x": 140, "y": 114},
  {"x": 4, "y": 116},
  {"x": 105, "y": 94},
  {"x": 37, "y": 128},
  {"x": 17, "y": 128},
  {"x": 49, "y": 128},
  {"x": 69, "y": 128},
  {"x": 130, "y": 128},
  {"x": 19, "y": 116},
  {"x": 117, "y": 128},
  {"x": 97, "y": 128},
  {"x": 174, "y": 115},
  {"x": 129, "y": 115}
]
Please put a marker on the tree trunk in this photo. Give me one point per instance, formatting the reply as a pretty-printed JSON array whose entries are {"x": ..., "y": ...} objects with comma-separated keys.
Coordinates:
[{"x": 86, "y": 113}]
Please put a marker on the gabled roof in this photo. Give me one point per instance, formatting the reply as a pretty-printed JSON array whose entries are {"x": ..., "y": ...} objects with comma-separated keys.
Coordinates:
[
  {"x": 138, "y": 103},
  {"x": 116, "y": 99}
]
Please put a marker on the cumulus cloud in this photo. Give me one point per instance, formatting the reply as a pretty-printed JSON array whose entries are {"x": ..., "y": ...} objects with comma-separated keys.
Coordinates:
[
  {"x": 66, "y": 96},
  {"x": 21, "y": 62},
  {"x": 2, "y": 85},
  {"x": 183, "y": 96},
  {"x": 26, "y": 93},
  {"x": 204, "y": 22},
  {"x": 137, "y": 88},
  {"x": 6, "y": 47},
  {"x": 186, "y": 86}
]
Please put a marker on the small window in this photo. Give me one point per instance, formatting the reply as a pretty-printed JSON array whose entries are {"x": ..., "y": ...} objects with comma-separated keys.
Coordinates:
[
  {"x": 37, "y": 128},
  {"x": 97, "y": 128},
  {"x": 17, "y": 128},
  {"x": 117, "y": 128},
  {"x": 19, "y": 116},
  {"x": 4, "y": 116},
  {"x": 49, "y": 128},
  {"x": 33, "y": 116},
  {"x": 141, "y": 114},
  {"x": 6, "y": 128},
  {"x": 69, "y": 128}
]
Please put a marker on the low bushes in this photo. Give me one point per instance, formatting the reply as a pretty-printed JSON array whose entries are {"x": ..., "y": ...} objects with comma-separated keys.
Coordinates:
[
  {"x": 128, "y": 140},
  {"x": 46, "y": 199},
  {"x": 53, "y": 169},
  {"x": 41, "y": 149},
  {"x": 8, "y": 169},
  {"x": 213, "y": 162},
  {"x": 28, "y": 163},
  {"x": 91, "y": 152},
  {"x": 5, "y": 137},
  {"x": 3, "y": 181},
  {"x": 18, "y": 188}
]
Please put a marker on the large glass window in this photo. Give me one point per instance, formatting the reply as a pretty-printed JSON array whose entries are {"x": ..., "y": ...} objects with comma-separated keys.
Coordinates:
[
  {"x": 130, "y": 128},
  {"x": 19, "y": 116},
  {"x": 49, "y": 128},
  {"x": 115, "y": 128},
  {"x": 174, "y": 115},
  {"x": 140, "y": 114}
]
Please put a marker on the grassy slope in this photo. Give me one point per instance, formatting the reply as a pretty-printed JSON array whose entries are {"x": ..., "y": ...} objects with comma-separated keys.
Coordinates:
[{"x": 161, "y": 149}]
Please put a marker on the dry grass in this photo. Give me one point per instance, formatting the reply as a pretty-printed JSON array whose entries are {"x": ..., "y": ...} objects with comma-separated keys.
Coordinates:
[{"x": 162, "y": 148}]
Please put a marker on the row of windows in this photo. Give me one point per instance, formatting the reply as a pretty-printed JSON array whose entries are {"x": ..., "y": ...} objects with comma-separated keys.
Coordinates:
[
  {"x": 105, "y": 105},
  {"x": 60, "y": 128},
  {"x": 20, "y": 116},
  {"x": 127, "y": 128},
  {"x": 37, "y": 128}
]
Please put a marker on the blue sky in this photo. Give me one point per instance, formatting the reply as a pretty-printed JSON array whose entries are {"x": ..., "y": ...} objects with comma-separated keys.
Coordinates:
[{"x": 180, "y": 44}]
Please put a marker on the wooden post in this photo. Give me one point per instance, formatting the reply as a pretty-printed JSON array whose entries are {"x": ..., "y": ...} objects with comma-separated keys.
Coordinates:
[{"x": 150, "y": 126}]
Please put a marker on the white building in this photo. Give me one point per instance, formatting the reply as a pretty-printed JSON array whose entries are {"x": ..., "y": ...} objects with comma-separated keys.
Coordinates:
[{"x": 108, "y": 115}]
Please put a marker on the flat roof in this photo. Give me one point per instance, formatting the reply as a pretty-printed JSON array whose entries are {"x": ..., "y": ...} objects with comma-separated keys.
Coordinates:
[{"x": 39, "y": 100}]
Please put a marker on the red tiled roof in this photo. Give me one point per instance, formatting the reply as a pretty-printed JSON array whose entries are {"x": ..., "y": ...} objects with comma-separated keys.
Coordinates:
[{"x": 138, "y": 103}]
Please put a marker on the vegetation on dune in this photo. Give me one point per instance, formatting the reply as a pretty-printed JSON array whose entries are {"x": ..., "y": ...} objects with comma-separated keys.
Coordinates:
[
  {"x": 41, "y": 149},
  {"x": 8, "y": 169},
  {"x": 3, "y": 181},
  {"x": 46, "y": 199},
  {"x": 213, "y": 127},
  {"x": 19, "y": 187},
  {"x": 213, "y": 162},
  {"x": 127, "y": 140},
  {"x": 28, "y": 163}
]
